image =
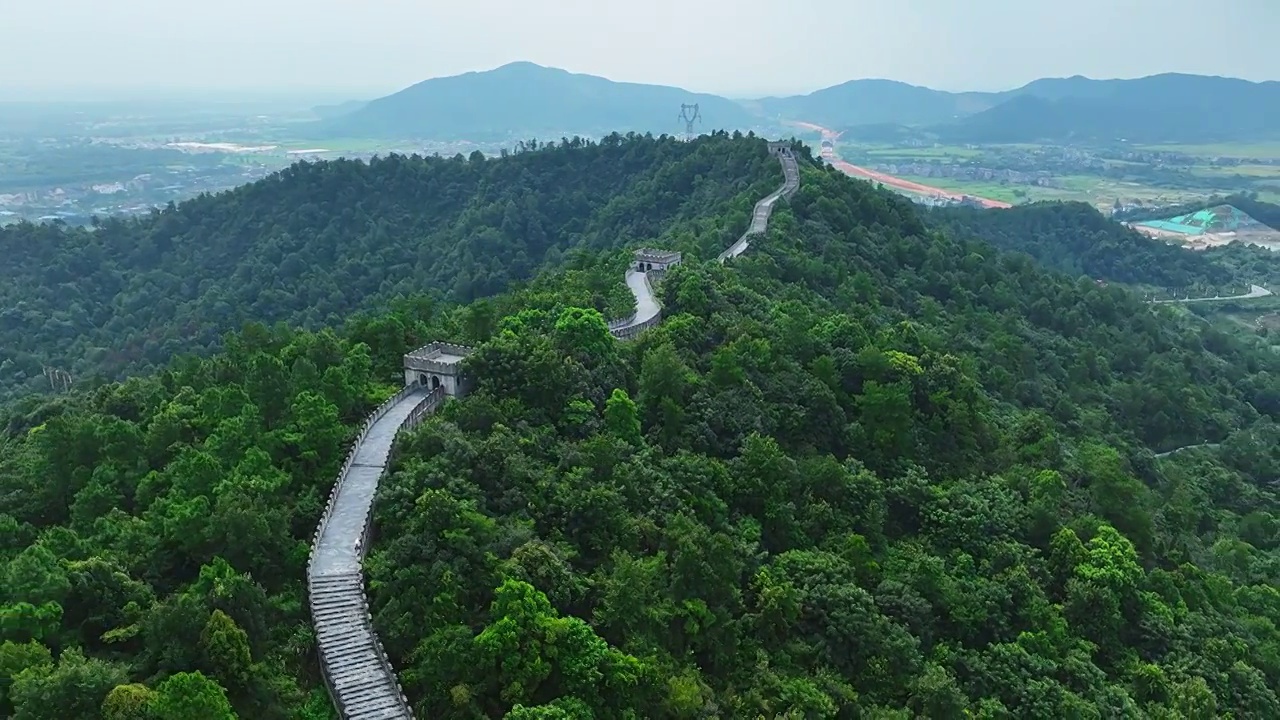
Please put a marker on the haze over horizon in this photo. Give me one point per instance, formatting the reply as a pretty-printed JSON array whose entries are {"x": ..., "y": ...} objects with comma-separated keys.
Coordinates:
[{"x": 740, "y": 48}]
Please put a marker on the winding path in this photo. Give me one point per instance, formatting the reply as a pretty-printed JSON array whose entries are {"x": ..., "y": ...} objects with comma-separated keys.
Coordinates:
[
  {"x": 646, "y": 304},
  {"x": 1175, "y": 451},
  {"x": 1255, "y": 291},
  {"x": 764, "y": 208},
  {"x": 361, "y": 681}
]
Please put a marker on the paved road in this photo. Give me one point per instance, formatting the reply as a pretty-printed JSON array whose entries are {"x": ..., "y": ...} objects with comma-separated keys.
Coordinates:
[
  {"x": 1167, "y": 453},
  {"x": 890, "y": 180},
  {"x": 1255, "y": 291}
]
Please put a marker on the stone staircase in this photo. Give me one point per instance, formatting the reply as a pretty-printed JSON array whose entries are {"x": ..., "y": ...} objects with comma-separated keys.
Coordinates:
[{"x": 361, "y": 680}]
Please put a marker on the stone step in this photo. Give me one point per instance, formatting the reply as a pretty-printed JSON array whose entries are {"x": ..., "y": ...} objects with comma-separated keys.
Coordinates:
[{"x": 363, "y": 684}]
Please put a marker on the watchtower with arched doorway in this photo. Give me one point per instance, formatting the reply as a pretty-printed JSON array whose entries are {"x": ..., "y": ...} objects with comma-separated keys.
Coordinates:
[
  {"x": 779, "y": 149},
  {"x": 655, "y": 261},
  {"x": 437, "y": 365}
]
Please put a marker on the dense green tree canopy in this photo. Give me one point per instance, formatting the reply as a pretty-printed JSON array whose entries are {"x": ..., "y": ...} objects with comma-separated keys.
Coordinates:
[
  {"x": 868, "y": 469},
  {"x": 318, "y": 241},
  {"x": 879, "y": 473},
  {"x": 1076, "y": 239}
]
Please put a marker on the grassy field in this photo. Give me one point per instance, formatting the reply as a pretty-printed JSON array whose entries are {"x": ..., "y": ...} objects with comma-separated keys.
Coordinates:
[
  {"x": 353, "y": 145},
  {"x": 993, "y": 191},
  {"x": 1083, "y": 188},
  {"x": 1247, "y": 171},
  {"x": 944, "y": 152},
  {"x": 1205, "y": 179},
  {"x": 1260, "y": 151}
]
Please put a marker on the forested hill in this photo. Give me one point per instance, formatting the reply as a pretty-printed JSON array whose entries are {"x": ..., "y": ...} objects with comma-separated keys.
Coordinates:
[
  {"x": 1264, "y": 212},
  {"x": 1074, "y": 238},
  {"x": 1161, "y": 108},
  {"x": 864, "y": 470},
  {"x": 312, "y": 244}
]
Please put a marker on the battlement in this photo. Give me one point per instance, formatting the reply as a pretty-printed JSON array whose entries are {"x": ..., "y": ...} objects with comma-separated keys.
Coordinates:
[
  {"x": 357, "y": 672},
  {"x": 440, "y": 349},
  {"x": 437, "y": 364},
  {"x": 648, "y": 259}
]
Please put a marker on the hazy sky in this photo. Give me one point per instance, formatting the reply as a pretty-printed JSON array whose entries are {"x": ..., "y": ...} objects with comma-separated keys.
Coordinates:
[{"x": 734, "y": 47}]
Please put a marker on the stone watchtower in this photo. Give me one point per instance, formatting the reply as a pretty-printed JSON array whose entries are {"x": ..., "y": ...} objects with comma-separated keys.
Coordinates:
[
  {"x": 438, "y": 365},
  {"x": 654, "y": 260},
  {"x": 779, "y": 149}
]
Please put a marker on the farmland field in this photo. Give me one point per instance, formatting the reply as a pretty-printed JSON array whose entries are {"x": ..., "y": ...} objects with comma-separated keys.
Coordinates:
[
  {"x": 1259, "y": 151},
  {"x": 923, "y": 153},
  {"x": 1082, "y": 188},
  {"x": 1018, "y": 173}
]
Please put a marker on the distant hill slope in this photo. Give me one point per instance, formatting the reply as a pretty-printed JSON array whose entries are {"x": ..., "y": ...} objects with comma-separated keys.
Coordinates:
[
  {"x": 527, "y": 100},
  {"x": 318, "y": 241},
  {"x": 522, "y": 100},
  {"x": 874, "y": 102},
  {"x": 1075, "y": 238},
  {"x": 338, "y": 110},
  {"x": 1161, "y": 108}
]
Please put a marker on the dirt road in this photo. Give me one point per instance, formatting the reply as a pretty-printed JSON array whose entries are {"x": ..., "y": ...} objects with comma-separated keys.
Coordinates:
[{"x": 829, "y": 154}]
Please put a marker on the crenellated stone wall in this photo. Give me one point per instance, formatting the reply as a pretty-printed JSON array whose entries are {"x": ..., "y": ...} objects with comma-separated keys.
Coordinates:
[
  {"x": 361, "y": 680},
  {"x": 437, "y": 365},
  {"x": 778, "y": 149},
  {"x": 647, "y": 260},
  {"x": 359, "y": 676}
]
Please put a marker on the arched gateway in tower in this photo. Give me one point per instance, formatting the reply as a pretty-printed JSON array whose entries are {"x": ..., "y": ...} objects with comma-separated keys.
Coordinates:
[
  {"x": 360, "y": 677},
  {"x": 654, "y": 261},
  {"x": 438, "y": 365}
]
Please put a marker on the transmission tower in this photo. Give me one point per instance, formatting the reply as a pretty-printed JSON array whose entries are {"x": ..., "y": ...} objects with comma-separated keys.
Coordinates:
[{"x": 689, "y": 114}]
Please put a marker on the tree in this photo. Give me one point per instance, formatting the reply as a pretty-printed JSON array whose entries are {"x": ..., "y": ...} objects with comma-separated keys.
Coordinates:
[
  {"x": 621, "y": 418},
  {"x": 35, "y": 576},
  {"x": 14, "y": 658},
  {"x": 129, "y": 702},
  {"x": 74, "y": 689},
  {"x": 531, "y": 652},
  {"x": 226, "y": 650},
  {"x": 583, "y": 333},
  {"x": 561, "y": 709},
  {"x": 191, "y": 696},
  {"x": 665, "y": 382}
]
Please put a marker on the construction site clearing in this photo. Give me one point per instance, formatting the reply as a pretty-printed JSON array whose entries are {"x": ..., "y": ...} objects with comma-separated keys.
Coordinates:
[{"x": 1211, "y": 227}]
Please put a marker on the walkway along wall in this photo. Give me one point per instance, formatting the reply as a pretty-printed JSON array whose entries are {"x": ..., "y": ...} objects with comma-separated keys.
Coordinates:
[
  {"x": 357, "y": 672},
  {"x": 361, "y": 681},
  {"x": 764, "y": 208}
]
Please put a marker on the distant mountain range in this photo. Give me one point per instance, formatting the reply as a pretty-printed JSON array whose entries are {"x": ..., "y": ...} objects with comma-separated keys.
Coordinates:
[
  {"x": 527, "y": 100},
  {"x": 1159, "y": 108}
]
